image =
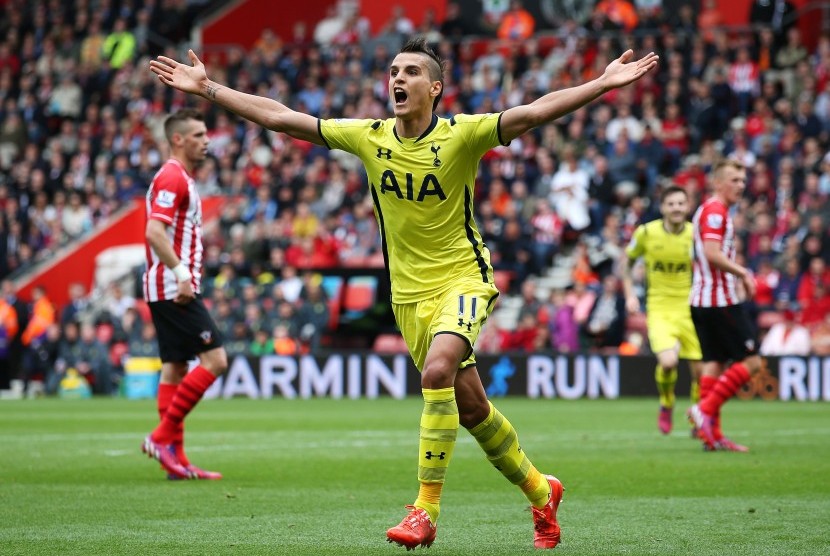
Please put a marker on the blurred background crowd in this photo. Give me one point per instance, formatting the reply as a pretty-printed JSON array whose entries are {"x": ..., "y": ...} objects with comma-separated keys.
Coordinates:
[{"x": 81, "y": 137}]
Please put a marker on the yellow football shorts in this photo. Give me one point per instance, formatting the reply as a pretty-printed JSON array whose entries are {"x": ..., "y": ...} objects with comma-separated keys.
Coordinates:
[
  {"x": 461, "y": 310},
  {"x": 668, "y": 328}
]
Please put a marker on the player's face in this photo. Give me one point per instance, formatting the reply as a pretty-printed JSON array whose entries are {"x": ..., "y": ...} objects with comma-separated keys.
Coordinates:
[
  {"x": 410, "y": 89},
  {"x": 675, "y": 208},
  {"x": 731, "y": 184},
  {"x": 195, "y": 141}
]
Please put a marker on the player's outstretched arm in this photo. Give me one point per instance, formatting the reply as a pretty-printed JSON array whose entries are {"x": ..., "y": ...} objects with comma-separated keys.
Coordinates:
[
  {"x": 266, "y": 112},
  {"x": 619, "y": 73},
  {"x": 632, "y": 303}
]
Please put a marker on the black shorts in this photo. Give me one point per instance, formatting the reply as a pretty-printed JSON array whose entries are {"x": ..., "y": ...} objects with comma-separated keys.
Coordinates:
[
  {"x": 725, "y": 333},
  {"x": 184, "y": 331}
]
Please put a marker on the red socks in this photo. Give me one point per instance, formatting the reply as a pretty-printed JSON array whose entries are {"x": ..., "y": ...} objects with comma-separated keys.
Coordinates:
[
  {"x": 165, "y": 396},
  {"x": 182, "y": 400},
  {"x": 706, "y": 384},
  {"x": 724, "y": 388}
]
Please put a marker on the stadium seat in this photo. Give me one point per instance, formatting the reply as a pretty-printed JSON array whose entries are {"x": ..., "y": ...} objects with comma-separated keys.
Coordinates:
[
  {"x": 390, "y": 343},
  {"x": 143, "y": 310},
  {"x": 359, "y": 295},
  {"x": 333, "y": 286}
]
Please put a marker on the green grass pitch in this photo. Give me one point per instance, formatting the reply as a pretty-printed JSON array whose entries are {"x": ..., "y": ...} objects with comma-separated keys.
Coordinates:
[{"x": 330, "y": 476}]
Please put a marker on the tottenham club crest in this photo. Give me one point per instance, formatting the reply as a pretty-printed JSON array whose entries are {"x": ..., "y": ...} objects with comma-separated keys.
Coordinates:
[{"x": 435, "y": 148}]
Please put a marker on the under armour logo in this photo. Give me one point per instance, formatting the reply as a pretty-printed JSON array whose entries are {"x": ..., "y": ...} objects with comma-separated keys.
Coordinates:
[
  {"x": 435, "y": 148},
  {"x": 430, "y": 455},
  {"x": 384, "y": 152},
  {"x": 468, "y": 324}
]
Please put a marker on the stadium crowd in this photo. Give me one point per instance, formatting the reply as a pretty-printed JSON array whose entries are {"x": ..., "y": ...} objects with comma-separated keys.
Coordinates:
[{"x": 80, "y": 137}]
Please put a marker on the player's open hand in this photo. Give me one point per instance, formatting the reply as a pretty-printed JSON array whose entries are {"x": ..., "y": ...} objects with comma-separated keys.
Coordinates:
[
  {"x": 190, "y": 79},
  {"x": 623, "y": 70}
]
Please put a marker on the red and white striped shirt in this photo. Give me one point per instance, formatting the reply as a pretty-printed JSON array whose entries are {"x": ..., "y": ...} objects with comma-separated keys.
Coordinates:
[
  {"x": 712, "y": 287},
  {"x": 174, "y": 200}
]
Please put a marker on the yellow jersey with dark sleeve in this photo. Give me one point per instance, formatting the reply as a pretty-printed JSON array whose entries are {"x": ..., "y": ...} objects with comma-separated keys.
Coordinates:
[
  {"x": 423, "y": 196},
  {"x": 668, "y": 259}
]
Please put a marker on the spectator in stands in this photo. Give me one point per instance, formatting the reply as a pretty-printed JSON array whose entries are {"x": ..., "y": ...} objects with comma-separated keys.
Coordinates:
[
  {"x": 787, "y": 59},
  {"x": 620, "y": 13},
  {"x": 238, "y": 342},
  {"x": 624, "y": 123},
  {"x": 76, "y": 218},
  {"x": 312, "y": 316},
  {"x": 529, "y": 336},
  {"x": 516, "y": 23},
  {"x": 777, "y": 14},
  {"x": 569, "y": 192},
  {"x": 255, "y": 318},
  {"x": 283, "y": 342},
  {"x": 820, "y": 337},
  {"x": 605, "y": 326},
  {"x": 814, "y": 309},
  {"x": 744, "y": 80},
  {"x": 118, "y": 302},
  {"x": 491, "y": 338},
  {"x": 563, "y": 330},
  {"x": 455, "y": 25},
  {"x": 531, "y": 305},
  {"x": 91, "y": 359},
  {"x": 546, "y": 234},
  {"x": 42, "y": 316},
  {"x": 766, "y": 281},
  {"x": 786, "y": 337},
  {"x": 261, "y": 344},
  {"x": 262, "y": 207},
  {"x": 398, "y": 23},
  {"x": 513, "y": 251},
  {"x": 8, "y": 332},
  {"x": 816, "y": 274},
  {"x": 77, "y": 306},
  {"x": 290, "y": 284},
  {"x": 66, "y": 99},
  {"x": 45, "y": 365},
  {"x": 119, "y": 46}
]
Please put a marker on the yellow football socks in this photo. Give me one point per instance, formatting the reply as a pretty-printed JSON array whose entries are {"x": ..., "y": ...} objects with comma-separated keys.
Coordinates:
[
  {"x": 499, "y": 440},
  {"x": 694, "y": 394},
  {"x": 439, "y": 429},
  {"x": 665, "y": 379}
]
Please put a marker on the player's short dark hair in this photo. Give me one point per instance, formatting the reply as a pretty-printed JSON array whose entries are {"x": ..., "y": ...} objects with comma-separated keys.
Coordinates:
[
  {"x": 175, "y": 122},
  {"x": 419, "y": 45},
  {"x": 670, "y": 190}
]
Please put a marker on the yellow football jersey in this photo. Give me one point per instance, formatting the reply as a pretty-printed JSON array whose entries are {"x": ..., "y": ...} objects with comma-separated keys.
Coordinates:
[
  {"x": 668, "y": 259},
  {"x": 423, "y": 195}
]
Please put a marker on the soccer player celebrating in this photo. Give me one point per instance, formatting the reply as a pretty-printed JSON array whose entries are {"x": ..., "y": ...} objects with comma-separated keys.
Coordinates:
[
  {"x": 184, "y": 327},
  {"x": 666, "y": 246},
  {"x": 722, "y": 324},
  {"x": 421, "y": 171}
]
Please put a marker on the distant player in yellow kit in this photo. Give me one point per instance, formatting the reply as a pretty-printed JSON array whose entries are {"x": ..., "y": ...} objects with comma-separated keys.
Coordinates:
[
  {"x": 666, "y": 247},
  {"x": 421, "y": 171}
]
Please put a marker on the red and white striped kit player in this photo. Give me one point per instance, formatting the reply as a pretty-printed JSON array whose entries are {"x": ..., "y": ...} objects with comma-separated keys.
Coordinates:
[
  {"x": 173, "y": 199},
  {"x": 711, "y": 286}
]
